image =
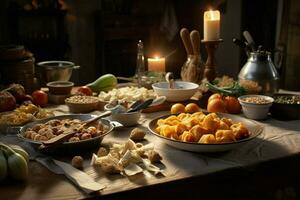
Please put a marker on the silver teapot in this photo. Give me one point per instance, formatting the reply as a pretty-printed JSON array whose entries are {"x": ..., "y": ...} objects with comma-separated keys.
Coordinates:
[{"x": 260, "y": 68}]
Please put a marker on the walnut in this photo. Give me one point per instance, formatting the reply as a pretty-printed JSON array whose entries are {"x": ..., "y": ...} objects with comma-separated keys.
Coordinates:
[
  {"x": 102, "y": 152},
  {"x": 77, "y": 162},
  {"x": 137, "y": 134},
  {"x": 154, "y": 157}
]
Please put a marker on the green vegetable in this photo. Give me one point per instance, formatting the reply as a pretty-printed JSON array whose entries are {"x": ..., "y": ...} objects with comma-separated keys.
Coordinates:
[
  {"x": 103, "y": 83},
  {"x": 3, "y": 166},
  {"x": 234, "y": 90},
  {"x": 17, "y": 165},
  {"x": 20, "y": 151}
]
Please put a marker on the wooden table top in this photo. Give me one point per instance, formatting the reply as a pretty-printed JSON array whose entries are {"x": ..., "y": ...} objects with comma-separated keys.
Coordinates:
[{"x": 279, "y": 144}]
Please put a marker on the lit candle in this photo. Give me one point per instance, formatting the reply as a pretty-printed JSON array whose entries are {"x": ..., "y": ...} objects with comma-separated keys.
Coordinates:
[
  {"x": 211, "y": 25},
  {"x": 156, "y": 64}
]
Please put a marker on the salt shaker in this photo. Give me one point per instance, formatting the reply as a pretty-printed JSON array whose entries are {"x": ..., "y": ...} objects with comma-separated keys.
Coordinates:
[{"x": 140, "y": 64}]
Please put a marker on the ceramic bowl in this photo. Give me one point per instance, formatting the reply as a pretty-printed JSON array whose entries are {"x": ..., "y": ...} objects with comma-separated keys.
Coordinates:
[
  {"x": 126, "y": 119},
  {"x": 182, "y": 91},
  {"x": 256, "y": 106},
  {"x": 254, "y": 128},
  {"x": 285, "y": 110},
  {"x": 82, "y": 104},
  {"x": 121, "y": 116},
  {"x": 60, "y": 87}
]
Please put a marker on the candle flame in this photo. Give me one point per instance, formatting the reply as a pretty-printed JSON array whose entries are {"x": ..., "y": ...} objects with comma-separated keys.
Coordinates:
[{"x": 212, "y": 15}]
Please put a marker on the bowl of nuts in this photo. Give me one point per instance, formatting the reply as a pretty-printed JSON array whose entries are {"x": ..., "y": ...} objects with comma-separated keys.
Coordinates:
[
  {"x": 286, "y": 106},
  {"x": 83, "y": 104},
  {"x": 256, "y": 106}
]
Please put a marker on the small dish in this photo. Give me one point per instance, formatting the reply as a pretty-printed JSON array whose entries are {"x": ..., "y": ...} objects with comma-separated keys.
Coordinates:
[
  {"x": 182, "y": 91},
  {"x": 256, "y": 106},
  {"x": 82, "y": 104},
  {"x": 60, "y": 87},
  {"x": 126, "y": 119},
  {"x": 120, "y": 115},
  {"x": 286, "y": 106},
  {"x": 57, "y": 98}
]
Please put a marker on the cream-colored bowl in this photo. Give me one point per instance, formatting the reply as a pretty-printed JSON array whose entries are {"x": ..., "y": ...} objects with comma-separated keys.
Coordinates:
[
  {"x": 123, "y": 117},
  {"x": 82, "y": 104},
  {"x": 126, "y": 119},
  {"x": 257, "y": 110},
  {"x": 182, "y": 91}
]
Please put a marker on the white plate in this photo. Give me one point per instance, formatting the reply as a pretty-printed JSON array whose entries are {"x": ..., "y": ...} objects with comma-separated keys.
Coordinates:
[{"x": 254, "y": 129}]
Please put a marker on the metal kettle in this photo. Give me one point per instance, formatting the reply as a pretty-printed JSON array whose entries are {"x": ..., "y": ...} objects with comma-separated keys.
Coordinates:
[{"x": 260, "y": 68}]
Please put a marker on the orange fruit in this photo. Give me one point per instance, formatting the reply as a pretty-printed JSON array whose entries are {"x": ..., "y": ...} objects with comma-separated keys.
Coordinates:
[
  {"x": 177, "y": 108},
  {"x": 233, "y": 105},
  {"x": 216, "y": 105},
  {"x": 214, "y": 96},
  {"x": 192, "y": 107}
]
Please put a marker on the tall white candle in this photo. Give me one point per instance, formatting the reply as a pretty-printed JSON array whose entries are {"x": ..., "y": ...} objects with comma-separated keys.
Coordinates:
[
  {"x": 211, "y": 25},
  {"x": 156, "y": 64}
]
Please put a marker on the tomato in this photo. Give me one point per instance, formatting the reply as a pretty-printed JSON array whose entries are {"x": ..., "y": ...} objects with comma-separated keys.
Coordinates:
[
  {"x": 216, "y": 105},
  {"x": 177, "y": 108},
  {"x": 192, "y": 107},
  {"x": 85, "y": 91},
  {"x": 232, "y": 105},
  {"x": 40, "y": 98}
]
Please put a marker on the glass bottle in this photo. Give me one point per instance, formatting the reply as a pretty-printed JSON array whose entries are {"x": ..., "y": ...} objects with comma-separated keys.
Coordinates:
[{"x": 140, "y": 63}]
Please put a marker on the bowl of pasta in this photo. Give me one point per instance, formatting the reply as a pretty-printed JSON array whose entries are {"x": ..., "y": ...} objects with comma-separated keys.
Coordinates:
[{"x": 204, "y": 132}]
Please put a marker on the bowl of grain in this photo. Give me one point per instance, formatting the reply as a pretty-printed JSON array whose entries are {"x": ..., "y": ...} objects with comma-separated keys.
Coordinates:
[
  {"x": 83, "y": 104},
  {"x": 256, "y": 106}
]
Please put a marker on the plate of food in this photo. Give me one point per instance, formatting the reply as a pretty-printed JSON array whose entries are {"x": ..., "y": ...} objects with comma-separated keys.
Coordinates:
[
  {"x": 22, "y": 115},
  {"x": 204, "y": 132},
  {"x": 83, "y": 135}
]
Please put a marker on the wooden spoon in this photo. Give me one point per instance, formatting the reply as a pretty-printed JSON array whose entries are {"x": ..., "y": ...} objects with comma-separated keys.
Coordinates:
[
  {"x": 195, "y": 39},
  {"x": 185, "y": 36},
  {"x": 62, "y": 137}
]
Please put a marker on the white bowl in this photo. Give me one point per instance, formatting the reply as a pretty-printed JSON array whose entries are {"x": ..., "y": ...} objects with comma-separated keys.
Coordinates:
[
  {"x": 254, "y": 128},
  {"x": 182, "y": 91},
  {"x": 257, "y": 111},
  {"x": 126, "y": 119}
]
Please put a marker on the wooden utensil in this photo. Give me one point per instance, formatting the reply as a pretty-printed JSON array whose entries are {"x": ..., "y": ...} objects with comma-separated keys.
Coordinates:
[
  {"x": 185, "y": 36},
  {"x": 195, "y": 40},
  {"x": 62, "y": 137}
]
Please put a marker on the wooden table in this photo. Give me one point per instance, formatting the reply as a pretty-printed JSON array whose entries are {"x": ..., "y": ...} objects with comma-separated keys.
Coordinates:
[{"x": 266, "y": 167}]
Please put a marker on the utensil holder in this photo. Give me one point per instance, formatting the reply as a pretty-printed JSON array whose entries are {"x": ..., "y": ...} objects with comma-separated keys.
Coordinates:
[{"x": 191, "y": 69}]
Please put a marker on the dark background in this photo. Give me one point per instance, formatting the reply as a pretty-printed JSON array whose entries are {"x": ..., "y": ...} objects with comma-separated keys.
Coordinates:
[{"x": 101, "y": 35}]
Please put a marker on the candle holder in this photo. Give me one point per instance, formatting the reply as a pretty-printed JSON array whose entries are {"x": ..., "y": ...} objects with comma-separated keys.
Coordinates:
[{"x": 210, "y": 66}]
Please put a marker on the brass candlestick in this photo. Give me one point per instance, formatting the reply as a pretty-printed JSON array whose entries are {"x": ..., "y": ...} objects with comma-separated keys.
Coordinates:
[{"x": 210, "y": 66}]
